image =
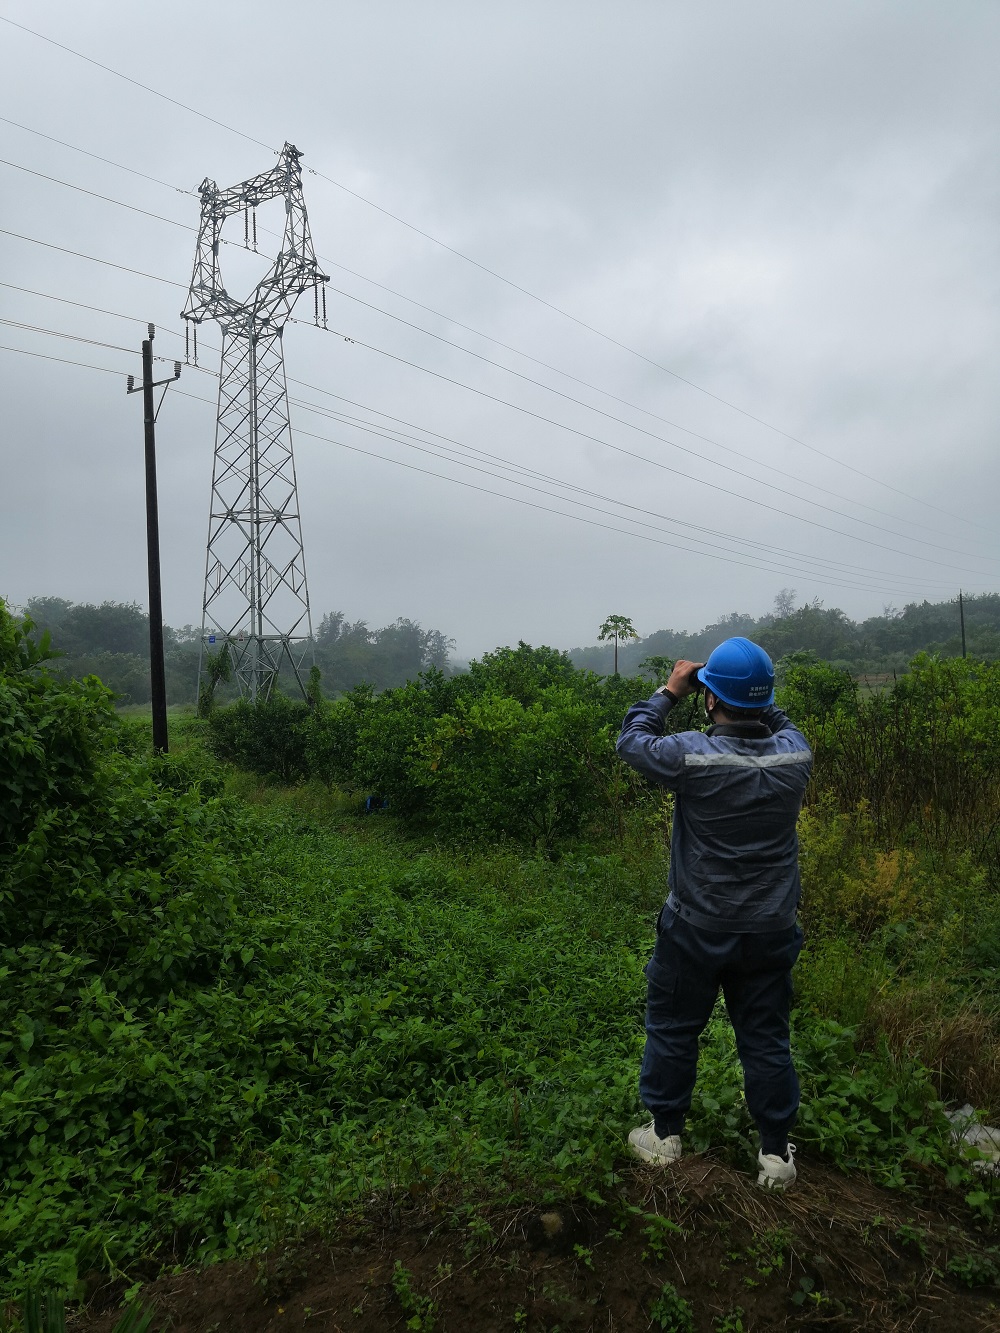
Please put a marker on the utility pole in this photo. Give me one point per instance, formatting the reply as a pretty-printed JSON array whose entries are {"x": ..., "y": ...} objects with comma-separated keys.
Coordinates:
[
  {"x": 961, "y": 616},
  {"x": 157, "y": 675}
]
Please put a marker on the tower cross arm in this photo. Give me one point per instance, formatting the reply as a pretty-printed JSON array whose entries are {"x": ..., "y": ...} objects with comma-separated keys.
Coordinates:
[
  {"x": 258, "y": 189},
  {"x": 295, "y": 269}
]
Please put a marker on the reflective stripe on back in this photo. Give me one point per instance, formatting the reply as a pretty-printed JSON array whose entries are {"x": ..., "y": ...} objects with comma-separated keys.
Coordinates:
[{"x": 747, "y": 760}]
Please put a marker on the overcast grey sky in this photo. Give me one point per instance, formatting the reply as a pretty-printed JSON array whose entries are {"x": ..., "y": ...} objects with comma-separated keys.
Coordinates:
[{"x": 792, "y": 205}]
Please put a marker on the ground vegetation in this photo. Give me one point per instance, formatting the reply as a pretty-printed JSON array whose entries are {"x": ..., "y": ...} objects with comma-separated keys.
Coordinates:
[{"x": 240, "y": 1019}]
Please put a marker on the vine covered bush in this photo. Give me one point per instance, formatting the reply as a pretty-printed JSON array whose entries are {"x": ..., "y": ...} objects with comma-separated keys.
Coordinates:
[{"x": 116, "y": 876}]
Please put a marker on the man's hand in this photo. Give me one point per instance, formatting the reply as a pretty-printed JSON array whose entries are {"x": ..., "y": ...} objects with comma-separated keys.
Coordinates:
[{"x": 682, "y": 680}]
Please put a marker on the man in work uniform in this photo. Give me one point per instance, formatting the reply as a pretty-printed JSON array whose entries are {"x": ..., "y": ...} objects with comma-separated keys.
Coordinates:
[{"x": 730, "y": 918}]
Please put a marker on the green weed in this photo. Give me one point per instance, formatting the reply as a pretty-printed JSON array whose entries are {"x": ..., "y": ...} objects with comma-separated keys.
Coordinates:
[
  {"x": 420, "y": 1311},
  {"x": 976, "y": 1268},
  {"x": 730, "y": 1322},
  {"x": 47, "y": 1314},
  {"x": 659, "y": 1233},
  {"x": 671, "y": 1312},
  {"x": 768, "y": 1251},
  {"x": 584, "y": 1255}
]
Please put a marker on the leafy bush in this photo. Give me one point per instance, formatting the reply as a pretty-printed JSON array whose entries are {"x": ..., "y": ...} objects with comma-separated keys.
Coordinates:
[
  {"x": 51, "y": 734},
  {"x": 331, "y": 750},
  {"x": 671, "y": 1312},
  {"x": 520, "y": 747},
  {"x": 923, "y": 759},
  {"x": 812, "y": 691},
  {"x": 99, "y": 852},
  {"x": 268, "y": 737},
  {"x": 115, "y": 883},
  {"x": 496, "y": 768}
]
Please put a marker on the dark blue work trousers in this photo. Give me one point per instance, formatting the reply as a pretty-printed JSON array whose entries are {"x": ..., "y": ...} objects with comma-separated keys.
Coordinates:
[{"x": 684, "y": 975}]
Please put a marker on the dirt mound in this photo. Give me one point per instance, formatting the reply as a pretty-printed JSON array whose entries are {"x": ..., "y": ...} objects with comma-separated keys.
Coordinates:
[{"x": 697, "y": 1247}]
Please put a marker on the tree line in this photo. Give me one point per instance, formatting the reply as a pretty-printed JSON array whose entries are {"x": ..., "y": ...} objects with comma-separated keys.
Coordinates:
[
  {"x": 111, "y": 640},
  {"x": 880, "y": 644}
]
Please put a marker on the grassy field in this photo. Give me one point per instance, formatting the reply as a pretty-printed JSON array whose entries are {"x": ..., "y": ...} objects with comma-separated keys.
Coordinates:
[
  {"x": 385, "y": 1014},
  {"x": 241, "y": 1013}
]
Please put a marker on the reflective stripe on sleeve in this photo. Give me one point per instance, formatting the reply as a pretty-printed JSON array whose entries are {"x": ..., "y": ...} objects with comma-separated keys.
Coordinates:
[{"x": 747, "y": 760}]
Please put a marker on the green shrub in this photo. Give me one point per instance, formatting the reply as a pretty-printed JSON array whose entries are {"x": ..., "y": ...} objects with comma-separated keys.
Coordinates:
[
  {"x": 332, "y": 738},
  {"x": 115, "y": 880},
  {"x": 923, "y": 759},
  {"x": 52, "y": 733},
  {"x": 496, "y": 768},
  {"x": 812, "y": 691},
  {"x": 390, "y": 729},
  {"x": 217, "y": 1026},
  {"x": 268, "y": 737}
]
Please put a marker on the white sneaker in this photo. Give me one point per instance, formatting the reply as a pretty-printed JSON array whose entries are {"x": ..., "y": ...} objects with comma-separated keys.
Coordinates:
[
  {"x": 777, "y": 1173},
  {"x": 645, "y": 1143}
]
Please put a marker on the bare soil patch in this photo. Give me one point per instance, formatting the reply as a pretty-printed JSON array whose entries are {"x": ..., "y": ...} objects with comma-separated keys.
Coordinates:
[{"x": 834, "y": 1253}]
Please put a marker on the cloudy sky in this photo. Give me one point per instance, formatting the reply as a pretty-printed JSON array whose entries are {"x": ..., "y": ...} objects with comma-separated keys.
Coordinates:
[{"x": 748, "y": 252}]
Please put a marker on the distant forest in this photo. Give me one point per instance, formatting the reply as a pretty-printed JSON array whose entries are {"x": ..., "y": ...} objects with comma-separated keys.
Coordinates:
[
  {"x": 880, "y": 645},
  {"x": 112, "y": 641}
]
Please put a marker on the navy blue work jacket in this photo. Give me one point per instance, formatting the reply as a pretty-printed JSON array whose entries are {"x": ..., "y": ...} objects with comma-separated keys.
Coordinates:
[{"x": 734, "y": 852}]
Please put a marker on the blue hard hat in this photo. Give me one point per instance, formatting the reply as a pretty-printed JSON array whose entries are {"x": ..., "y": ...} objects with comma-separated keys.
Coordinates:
[{"x": 739, "y": 673}]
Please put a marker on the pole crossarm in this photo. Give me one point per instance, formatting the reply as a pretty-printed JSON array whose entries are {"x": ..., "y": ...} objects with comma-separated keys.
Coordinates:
[{"x": 256, "y": 599}]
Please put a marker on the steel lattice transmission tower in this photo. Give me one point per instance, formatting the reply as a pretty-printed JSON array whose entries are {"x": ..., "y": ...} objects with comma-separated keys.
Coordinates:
[{"x": 256, "y": 602}]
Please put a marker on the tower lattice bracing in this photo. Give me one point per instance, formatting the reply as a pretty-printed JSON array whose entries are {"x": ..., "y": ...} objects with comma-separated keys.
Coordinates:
[{"x": 256, "y": 601}]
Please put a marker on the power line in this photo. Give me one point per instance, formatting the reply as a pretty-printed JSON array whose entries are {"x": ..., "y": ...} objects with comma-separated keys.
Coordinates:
[
  {"x": 94, "y": 195},
  {"x": 677, "y": 546},
  {"x": 578, "y": 402},
  {"x": 76, "y": 337},
  {"x": 803, "y": 481},
  {"x": 761, "y": 558},
  {"x": 712, "y": 553},
  {"x": 80, "y": 305},
  {"x": 120, "y": 203},
  {"x": 135, "y": 82},
  {"x": 491, "y": 272},
  {"x": 762, "y": 564},
  {"x": 97, "y": 157},
  {"x": 449, "y": 342},
  {"x": 616, "y": 448},
  {"x": 42, "y": 356},
  {"x": 402, "y": 436},
  {"x": 78, "y": 254},
  {"x": 625, "y": 402},
  {"x": 923, "y": 541},
  {"x": 844, "y": 567},
  {"x": 425, "y": 471},
  {"x": 517, "y": 374},
  {"x": 653, "y": 462}
]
